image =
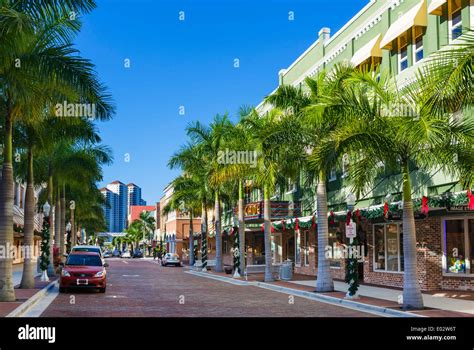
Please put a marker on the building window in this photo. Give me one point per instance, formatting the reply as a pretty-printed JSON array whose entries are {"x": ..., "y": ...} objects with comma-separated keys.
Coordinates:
[
  {"x": 388, "y": 247},
  {"x": 418, "y": 48},
  {"x": 456, "y": 25},
  {"x": 333, "y": 174},
  {"x": 455, "y": 19},
  {"x": 403, "y": 58},
  {"x": 290, "y": 186},
  {"x": 345, "y": 165},
  {"x": 459, "y": 245}
]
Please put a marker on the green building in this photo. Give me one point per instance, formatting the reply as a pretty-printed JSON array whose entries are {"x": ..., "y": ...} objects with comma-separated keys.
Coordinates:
[{"x": 398, "y": 36}]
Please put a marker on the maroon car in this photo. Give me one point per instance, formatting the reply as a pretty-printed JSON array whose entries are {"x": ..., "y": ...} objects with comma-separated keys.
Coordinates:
[{"x": 83, "y": 270}]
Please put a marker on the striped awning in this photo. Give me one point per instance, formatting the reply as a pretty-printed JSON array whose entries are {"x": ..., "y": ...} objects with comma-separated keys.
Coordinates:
[
  {"x": 371, "y": 49},
  {"x": 416, "y": 17},
  {"x": 436, "y": 7}
]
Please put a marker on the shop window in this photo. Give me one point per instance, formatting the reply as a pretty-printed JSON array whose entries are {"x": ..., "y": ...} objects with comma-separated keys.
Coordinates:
[
  {"x": 298, "y": 248},
  {"x": 305, "y": 248},
  {"x": 336, "y": 239},
  {"x": 388, "y": 247},
  {"x": 471, "y": 243},
  {"x": 458, "y": 238},
  {"x": 379, "y": 247}
]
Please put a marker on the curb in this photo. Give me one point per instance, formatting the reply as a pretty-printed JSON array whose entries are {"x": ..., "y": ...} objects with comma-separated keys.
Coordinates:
[
  {"x": 27, "y": 305},
  {"x": 219, "y": 278},
  {"x": 378, "y": 310}
]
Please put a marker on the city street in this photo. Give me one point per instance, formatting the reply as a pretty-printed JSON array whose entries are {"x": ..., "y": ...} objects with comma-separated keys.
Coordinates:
[{"x": 144, "y": 288}]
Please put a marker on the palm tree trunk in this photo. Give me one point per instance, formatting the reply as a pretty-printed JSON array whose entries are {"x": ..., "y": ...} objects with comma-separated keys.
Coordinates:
[
  {"x": 7, "y": 293},
  {"x": 412, "y": 298},
  {"x": 204, "y": 235},
  {"x": 267, "y": 232},
  {"x": 57, "y": 219},
  {"x": 73, "y": 229},
  {"x": 241, "y": 228},
  {"x": 191, "y": 239},
  {"x": 28, "y": 276},
  {"x": 62, "y": 243},
  {"x": 219, "y": 267},
  {"x": 324, "y": 282}
]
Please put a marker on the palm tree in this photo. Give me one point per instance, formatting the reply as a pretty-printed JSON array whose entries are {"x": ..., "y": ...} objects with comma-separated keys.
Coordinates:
[
  {"x": 422, "y": 136},
  {"x": 210, "y": 140},
  {"x": 274, "y": 137},
  {"x": 147, "y": 225},
  {"x": 188, "y": 159},
  {"x": 36, "y": 36}
]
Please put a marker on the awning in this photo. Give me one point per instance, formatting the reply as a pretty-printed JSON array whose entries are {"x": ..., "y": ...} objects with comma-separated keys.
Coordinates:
[
  {"x": 371, "y": 49},
  {"x": 417, "y": 16},
  {"x": 436, "y": 7}
]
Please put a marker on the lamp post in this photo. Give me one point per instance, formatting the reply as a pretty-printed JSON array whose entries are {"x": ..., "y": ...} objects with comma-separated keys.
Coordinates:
[
  {"x": 45, "y": 243},
  {"x": 352, "y": 275}
]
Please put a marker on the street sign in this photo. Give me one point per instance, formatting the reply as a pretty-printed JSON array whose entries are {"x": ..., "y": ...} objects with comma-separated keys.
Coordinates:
[{"x": 351, "y": 230}]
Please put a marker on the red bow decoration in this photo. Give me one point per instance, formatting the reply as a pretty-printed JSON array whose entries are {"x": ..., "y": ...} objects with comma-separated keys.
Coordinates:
[
  {"x": 272, "y": 229},
  {"x": 313, "y": 223},
  {"x": 283, "y": 225},
  {"x": 385, "y": 210},
  {"x": 470, "y": 197},
  {"x": 331, "y": 217},
  {"x": 357, "y": 214},
  {"x": 424, "y": 205},
  {"x": 297, "y": 226},
  {"x": 348, "y": 217}
]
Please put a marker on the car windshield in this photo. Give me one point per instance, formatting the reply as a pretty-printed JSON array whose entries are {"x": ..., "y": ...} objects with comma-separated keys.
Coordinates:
[
  {"x": 84, "y": 260},
  {"x": 85, "y": 249}
]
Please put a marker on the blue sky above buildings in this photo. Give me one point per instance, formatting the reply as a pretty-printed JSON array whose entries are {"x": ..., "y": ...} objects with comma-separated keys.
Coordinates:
[{"x": 190, "y": 63}]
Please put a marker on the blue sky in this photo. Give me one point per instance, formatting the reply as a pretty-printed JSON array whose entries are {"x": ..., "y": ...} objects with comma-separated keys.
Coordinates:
[{"x": 190, "y": 63}]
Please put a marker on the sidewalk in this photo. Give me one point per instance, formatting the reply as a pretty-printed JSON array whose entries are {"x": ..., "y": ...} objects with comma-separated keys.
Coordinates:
[
  {"x": 383, "y": 301},
  {"x": 435, "y": 301},
  {"x": 26, "y": 298}
]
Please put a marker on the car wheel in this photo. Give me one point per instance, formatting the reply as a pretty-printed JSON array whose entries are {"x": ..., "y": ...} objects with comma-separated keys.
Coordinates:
[
  {"x": 62, "y": 290},
  {"x": 102, "y": 290}
]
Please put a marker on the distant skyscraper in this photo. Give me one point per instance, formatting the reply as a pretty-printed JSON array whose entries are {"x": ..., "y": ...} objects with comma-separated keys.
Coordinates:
[
  {"x": 121, "y": 211},
  {"x": 111, "y": 200},
  {"x": 134, "y": 195},
  {"x": 119, "y": 198}
]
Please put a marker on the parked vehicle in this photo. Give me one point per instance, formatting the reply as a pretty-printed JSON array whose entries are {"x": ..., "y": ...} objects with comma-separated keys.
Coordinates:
[
  {"x": 171, "y": 259},
  {"x": 87, "y": 248},
  {"x": 83, "y": 270},
  {"x": 138, "y": 254},
  {"x": 116, "y": 253},
  {"x": 107, "y": 253},
  {"x": 125, "y": 254}
]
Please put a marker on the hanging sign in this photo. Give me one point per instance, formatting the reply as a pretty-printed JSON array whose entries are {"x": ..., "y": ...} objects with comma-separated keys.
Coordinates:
[{"x": 351, "y": 230}]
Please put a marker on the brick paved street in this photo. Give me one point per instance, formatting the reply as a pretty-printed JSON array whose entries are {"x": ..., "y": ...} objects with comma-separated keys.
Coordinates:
[{"x": 143, "y": 288}]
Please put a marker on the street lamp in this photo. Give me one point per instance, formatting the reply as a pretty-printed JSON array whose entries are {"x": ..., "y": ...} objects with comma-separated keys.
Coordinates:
[{"x": 351, "y": 200}]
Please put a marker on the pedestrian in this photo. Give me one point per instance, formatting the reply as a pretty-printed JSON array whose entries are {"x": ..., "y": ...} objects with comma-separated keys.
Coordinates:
[{"x": 159, "y": 254}]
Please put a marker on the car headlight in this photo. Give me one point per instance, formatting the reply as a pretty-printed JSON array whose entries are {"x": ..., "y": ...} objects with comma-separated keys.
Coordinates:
[
  {"x": 100, "y": 274},
  {"x": 65, "y": 273}
]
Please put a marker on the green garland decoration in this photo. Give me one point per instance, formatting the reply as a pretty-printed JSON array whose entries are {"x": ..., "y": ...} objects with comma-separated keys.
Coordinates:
[
  {"x": 236, "y": 253},
  {"x": 45, "y": 240}
]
